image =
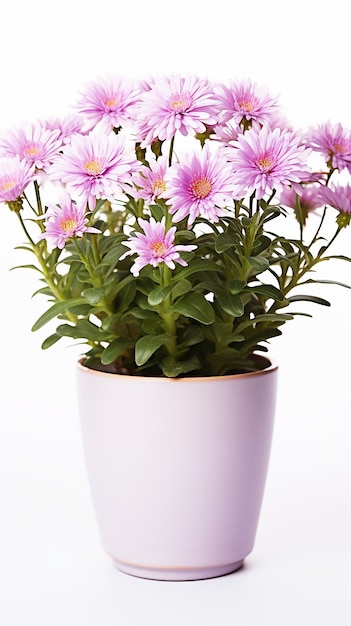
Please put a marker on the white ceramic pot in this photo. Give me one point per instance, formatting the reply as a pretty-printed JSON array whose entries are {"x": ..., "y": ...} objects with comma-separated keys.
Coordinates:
[{"x": 177, "y": 468}]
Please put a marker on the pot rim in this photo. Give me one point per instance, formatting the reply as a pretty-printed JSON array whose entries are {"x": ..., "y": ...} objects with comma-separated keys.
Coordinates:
[{"x": 271, "y": 367}]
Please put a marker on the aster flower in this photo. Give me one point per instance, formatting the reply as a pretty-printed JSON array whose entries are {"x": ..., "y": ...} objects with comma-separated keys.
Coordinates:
[
  {"x": 269, "y": 160},
  {"x": 95, "y": 166},
  {"x": 15, "y": 176},
  {"x": 309, "y": 200},
  {"x": 150, "y": 181},
  {"x": 333, "y": 142},
  {"x": 67, "y": 126},
  {"x": 337, "y": 196},
  {"x": 247, "y": 103},
  {"x": 108, "y": 103},
  {"x": 65, "y": 220},
  {"x": 33, "y": 143},
  {"x": 226, "y": 132},
  {"x": 155, "y": 246},
  {"x": 201, "y": 185},
  {"x": 175, "y": 103}
]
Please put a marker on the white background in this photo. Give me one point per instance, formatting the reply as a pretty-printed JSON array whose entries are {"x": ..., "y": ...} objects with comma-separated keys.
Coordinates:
[{"x": 53, "y": 571}]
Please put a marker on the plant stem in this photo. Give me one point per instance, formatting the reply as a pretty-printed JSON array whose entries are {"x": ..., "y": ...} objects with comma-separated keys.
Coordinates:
[
  {"x": 48, "y": 276},
  {"x": 168, "y": 318},
  {"x": 171, "y": 148}
]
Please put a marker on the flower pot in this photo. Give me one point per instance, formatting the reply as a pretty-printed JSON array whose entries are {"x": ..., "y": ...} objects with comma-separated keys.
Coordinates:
[{"x": 177, "y": 468}]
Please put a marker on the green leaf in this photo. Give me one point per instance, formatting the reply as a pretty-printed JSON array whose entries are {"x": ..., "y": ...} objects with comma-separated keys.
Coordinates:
[
  {"x": 199, "y": 266},
  {"x": 124, "y": 297},
  {"x": 115, "y": 349},
  {"x": 325, "y": 282},
  {"x": 223, "y": 242},
  {"x": 181, "y": 287},
  {"x": 191, "y": 336},
  {"x": 83, "y": 329},
  {"x": 258, "y": 263},
  {"x": 146, "y": 346},
  {"x": 195, "y": 306},
  {"x": 94, "y": 295},
  {"x": 55, "y": 310},
  {"x": 113, "y": 256},
  {"x": 172, "y": 368},
  {"x": 81, "y": 309},
  {"x": 50, "y": 341},
  {"x": 268, "y": 290},
  {"x": 29, "y": 267},
  {"x": 273, "y": 318},
  {"x": 308, "y": 298},
  {"x": 235, "y": 286},
  {"x": 178, "y": 288},
  {"x": 233, "y": 305},
  {"x": 159, "y": 294},
  {"x": 189, "y": 235}
]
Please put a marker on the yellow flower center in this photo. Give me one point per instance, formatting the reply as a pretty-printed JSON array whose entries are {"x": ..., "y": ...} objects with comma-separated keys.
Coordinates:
[
  {"x": 178, "y": 104},
  {"x": 92, "y": 167},
  {"x": 9, "y": 184},
  {"x": 265, "y": 163},
  {"x": 31, "y": 151},
  {"x": 159, "y": 248},
  {"x": 201, "y": 187},
  {"x": 111, "y": 103},
  {"x": 246, "y": 105},
  {"x": 68, "y": 225},
  {"x": 339, "y": 147},
  {"x": 158, "y": 186}
]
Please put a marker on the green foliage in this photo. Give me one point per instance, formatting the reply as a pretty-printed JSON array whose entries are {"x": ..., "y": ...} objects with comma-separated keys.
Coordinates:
[{"x": 207, "y": 318}]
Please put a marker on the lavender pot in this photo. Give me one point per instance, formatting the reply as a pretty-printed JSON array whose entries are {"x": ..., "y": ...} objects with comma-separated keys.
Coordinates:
[{"x": 177, "y": 468}]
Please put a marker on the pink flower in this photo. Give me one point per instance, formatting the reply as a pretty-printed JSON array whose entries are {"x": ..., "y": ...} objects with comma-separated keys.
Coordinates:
[
  {"x": 337, "y": 196},
  {"x": 108, "y": 102},
  {"x": 151, "y": 180},
  {"x": 179, "y": 104},
  {"x": 67, "y": 126},
  {"x": 65, "y": 221},
  {"x": 15, "y": 176},
  {"x": 226, "y": 132},
  {"x": 33, "y": 143},
  {"x": 268, "y": 160},
  {"x": 245, "y": 102},
  {"x": 309, "y": 198},
  {"x": 155, "y": 246},
  {"x": 334, "y": 143},
  {"x": 201, "y": 185},
  {"x": 95, "y": 166}
]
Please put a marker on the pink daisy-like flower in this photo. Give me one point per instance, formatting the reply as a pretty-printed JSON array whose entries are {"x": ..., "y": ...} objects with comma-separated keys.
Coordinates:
[
  {"x": 201, "y": 185},
  {"x": 269, "y": 160},
  {"x": 226, "y": 132},
  {"x": 337, "y": 196},
  {"x": 33, "y": 143},
  {"x": 15, "y": 176},
  {"x": 108, "y": 102},
  {"x": 155, "y": 246},
  {"x": 65, "y": 221},
  {"x": 175, "y": 103},
  {"x": 95, "y": 166},
  {"x": 150, "y": 181},
  {"x": 334, "y": 143},
  {"x": 67, "y": 126},
  {"x": 245, "y": 102},
  {"x": 309, "y": 198}
]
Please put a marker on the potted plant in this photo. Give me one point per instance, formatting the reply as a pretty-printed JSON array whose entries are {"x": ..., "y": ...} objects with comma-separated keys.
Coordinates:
[{"x": 157, "y": 214}]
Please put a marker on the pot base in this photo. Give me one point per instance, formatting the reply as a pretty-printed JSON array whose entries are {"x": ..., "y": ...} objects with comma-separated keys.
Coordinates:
[{"x": 177, "y": 573}]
